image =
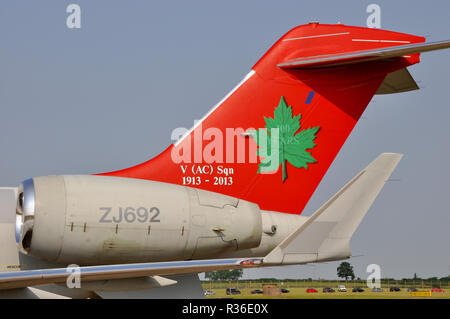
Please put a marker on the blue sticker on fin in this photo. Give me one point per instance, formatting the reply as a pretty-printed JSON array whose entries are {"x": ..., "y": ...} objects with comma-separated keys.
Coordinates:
[{"x": 310, "y": 97}]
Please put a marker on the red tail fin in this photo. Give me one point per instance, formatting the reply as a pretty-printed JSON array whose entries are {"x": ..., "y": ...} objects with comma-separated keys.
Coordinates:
[{"x": 315, "y": 110}]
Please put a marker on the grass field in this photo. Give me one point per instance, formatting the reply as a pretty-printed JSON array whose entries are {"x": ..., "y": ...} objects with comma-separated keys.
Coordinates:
[{"x": 300, "y": 293}]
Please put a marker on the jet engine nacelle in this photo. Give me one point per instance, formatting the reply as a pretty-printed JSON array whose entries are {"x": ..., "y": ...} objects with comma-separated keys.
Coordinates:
[{"x": 87, "y": 219}]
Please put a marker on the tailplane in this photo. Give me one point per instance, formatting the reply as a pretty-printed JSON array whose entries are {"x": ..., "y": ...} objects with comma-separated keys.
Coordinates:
[{"x": 326, "y": 235}]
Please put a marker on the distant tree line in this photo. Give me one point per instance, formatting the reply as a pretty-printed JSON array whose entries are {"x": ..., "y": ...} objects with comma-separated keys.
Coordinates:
[
  {"x": 218, "y": 275},
  {"x": 344, "y": 271}
]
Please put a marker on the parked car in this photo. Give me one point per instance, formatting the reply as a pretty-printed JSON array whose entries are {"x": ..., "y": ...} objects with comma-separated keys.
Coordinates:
[
  {"x": 377, "y": 289},
  {"x": 209, "y": 293},
  {"x": 284, "y": 290},
  {"x": 358, "y": 289},
  {"x": 341, "y": 288},
  {"x": 394, "y": 289},
  {"x": 311, "y": 290},
  {"x": 411, "y": 289},
  {"x": 437, "y": 290},
  {"x": 256, "y": 291},
  {"x": 327, "y": 289},
  {"x": 233, "y": 291}
]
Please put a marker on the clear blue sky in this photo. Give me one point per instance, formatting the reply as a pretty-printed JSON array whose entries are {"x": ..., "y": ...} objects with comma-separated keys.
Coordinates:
[{"x": 107, "y": 96}]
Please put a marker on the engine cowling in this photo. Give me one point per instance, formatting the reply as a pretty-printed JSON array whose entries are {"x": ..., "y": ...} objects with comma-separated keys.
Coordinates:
[{"x": 86, "y": 219}]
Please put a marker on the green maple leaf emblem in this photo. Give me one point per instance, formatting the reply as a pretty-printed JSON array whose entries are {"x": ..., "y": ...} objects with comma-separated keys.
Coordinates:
[{"x": 291, "y": 147}]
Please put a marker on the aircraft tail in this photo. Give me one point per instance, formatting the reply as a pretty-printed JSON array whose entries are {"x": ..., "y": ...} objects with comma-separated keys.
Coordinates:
[
  {"x": 310, "y": 90},
  {"x": 326, "y": 235}
]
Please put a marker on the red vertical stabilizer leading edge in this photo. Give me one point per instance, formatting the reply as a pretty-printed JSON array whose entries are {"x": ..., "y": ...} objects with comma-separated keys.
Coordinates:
[{"x": 312, "y": 85}]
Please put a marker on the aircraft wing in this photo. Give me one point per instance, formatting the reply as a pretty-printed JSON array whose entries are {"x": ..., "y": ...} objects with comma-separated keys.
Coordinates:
[
  {"x": 331, "y": 60},
  {"x": 26, "y": 278}
]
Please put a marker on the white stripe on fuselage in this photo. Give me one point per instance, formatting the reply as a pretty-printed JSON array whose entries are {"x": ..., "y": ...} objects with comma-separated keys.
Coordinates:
[
  {"x": 379, "y": 41},
  {"x": 248, "y": 76},
  {"x": 317, "y": 36}
]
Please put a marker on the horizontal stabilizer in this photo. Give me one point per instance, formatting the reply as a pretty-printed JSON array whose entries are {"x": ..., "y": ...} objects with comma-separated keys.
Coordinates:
[
  {"x": 330, "y": 60},
  {"x": 325, "y": 236},
  {"x": 398, "y": 82}
]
